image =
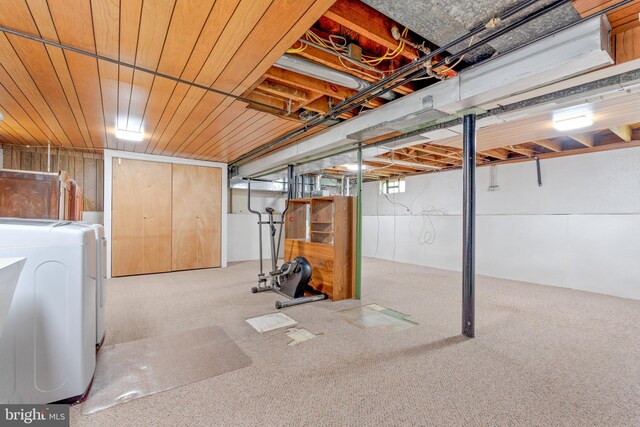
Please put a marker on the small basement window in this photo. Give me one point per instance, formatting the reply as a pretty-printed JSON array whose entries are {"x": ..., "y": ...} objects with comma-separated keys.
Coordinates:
[{"x": 392, "y": 186}]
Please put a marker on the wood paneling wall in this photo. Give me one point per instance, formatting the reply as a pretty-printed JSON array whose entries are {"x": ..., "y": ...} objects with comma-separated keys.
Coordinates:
[{"x": 85, "y": 168}]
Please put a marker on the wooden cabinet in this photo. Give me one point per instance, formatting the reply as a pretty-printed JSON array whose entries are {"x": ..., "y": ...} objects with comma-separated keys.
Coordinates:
[
  {"x": 197, "y": 199},
  {"x": 29, "y": 195},
  {"x": 165, "y": 217},
  {"x": 140, "y": 217},
  {"x": 39, "y": 195},
  {"x": 323, "y": 231}
]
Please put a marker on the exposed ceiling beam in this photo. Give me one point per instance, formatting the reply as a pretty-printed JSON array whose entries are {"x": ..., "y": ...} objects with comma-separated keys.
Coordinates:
[
  {"x": 321, "y": 105},
  {"x": 391, "y": 167},
  {"x": 549, "y": 144},
  {"x": 448, "y": 97},
  {"x": 624, "y": 132},
  {"x": 371, "y": 173},
  {"x": 497, "y": 153},
  {"x": 261, "y": 99},
  {"x": 430, "y": 149},
  {"x": 413, "y": 165},
  {"x": 286, "y": 92},
  {"x": 521, "y": 150},
  {"x": 332, "y": 61},
  {"x": 266, "y": 99},
  {"x": 586, "y": 139},
  {"x": 445, "y": 161},
  {"x": 368, "y": 22},
  {"x": 309, "y": 83}
]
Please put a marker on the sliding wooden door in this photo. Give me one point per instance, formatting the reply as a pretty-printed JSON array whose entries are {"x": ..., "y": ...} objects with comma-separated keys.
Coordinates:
[
  {"x": 197, "y": 217},
  {"x": 141, "y": 217}
]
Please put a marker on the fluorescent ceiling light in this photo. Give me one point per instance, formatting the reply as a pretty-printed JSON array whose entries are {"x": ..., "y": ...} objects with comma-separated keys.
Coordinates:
[
  {"x": 354, "y": 167},
  {"x": 578, "y": 121},
  {"x": 129, "y": 135}
]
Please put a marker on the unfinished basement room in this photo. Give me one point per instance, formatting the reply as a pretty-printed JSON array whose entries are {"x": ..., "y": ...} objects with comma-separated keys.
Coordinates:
[{"x": 319, "y": 213}]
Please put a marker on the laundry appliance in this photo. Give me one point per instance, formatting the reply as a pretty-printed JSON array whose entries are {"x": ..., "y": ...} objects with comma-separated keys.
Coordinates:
[{"x": 51, "y": 325}]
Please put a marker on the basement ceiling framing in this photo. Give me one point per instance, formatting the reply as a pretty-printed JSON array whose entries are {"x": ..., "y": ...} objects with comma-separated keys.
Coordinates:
[{"x": 74, "y": 101}]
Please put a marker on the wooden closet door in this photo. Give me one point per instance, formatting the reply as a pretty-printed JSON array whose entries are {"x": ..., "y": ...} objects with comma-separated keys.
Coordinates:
[
  {"x": 197, "y": 217},
  {"x": 140, "y": 217}
]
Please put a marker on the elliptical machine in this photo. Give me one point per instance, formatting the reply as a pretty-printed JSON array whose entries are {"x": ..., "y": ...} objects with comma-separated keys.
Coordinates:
[{"x": 292, "y": 278}]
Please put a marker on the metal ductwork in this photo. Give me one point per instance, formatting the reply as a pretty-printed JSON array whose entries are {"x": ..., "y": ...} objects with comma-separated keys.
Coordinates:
[
  {"x": 318, "y": 71},
  {"x": 318, "y": 183},
  {"x": 533, "y": 70}
]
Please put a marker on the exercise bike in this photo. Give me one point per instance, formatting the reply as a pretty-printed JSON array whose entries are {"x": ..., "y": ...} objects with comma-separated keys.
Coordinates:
[{"x": 292, "y": 278}]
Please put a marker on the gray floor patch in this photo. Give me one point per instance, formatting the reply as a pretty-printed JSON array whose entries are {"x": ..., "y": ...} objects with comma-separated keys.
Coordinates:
[
  {"x": 141, "y": 368},
  {"x": 374, "y": 315},
  {"x": 272, "y": 321},
  {"x": 299, "y": 335}
]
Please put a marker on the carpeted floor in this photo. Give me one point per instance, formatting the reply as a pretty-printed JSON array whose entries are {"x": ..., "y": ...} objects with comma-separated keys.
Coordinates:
[{"x": 542, "y": 356}]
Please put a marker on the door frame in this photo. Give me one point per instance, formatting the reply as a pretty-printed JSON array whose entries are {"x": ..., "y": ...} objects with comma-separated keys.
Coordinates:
[{"x": 109, "y": 155}]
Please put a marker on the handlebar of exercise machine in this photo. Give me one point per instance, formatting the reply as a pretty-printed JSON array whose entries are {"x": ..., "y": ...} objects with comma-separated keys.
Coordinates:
[{"x": 270, "y": 212}]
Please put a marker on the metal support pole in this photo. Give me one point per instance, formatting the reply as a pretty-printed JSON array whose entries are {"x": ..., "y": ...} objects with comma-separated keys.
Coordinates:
[
  {"x": 469, "y": 222},
  {"x": 539, "y": 172},
  {"x": 359, "y": 228},
  {"x": 291, "y": 182}
]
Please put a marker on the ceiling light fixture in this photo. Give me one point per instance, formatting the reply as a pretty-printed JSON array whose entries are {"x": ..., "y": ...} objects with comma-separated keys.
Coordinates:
[
  {"x": 129, "y": 135},
  {"x": 354, "y": 167},
  {"x": 576, "y": 121}
]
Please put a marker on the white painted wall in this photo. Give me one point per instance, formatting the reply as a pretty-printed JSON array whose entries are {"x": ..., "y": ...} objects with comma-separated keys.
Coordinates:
[
  {"x": 243, "y": 239},
  {"x": 243, "y": 227},
  {"x": 580, "y": 230},
  {"x": 109, "y": 155},
  {"x": 259, "y": 200}
]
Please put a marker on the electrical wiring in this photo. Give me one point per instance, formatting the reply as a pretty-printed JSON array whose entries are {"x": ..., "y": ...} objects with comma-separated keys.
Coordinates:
[
  {"x": 297, "y": 49},
  {"x": 338, "y": 48},
  {"x": 451, "y": 67},
  {"x": 424, "y": 78},
  {"x": 389, "y": 55},
  {"x": 355, "y": 69},
  {"x": 341, "y": 47},
  {"x": 426, "y": 234},
  {"x": 310, "y": 35}
]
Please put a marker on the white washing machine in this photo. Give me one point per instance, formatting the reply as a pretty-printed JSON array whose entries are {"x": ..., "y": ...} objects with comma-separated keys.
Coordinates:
[
  {"x": 52, "y": 319},
  {"x": 101, "y": 278}
]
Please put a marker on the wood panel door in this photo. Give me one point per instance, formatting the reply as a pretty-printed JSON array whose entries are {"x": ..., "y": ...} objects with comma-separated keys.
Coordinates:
[
  {"x": 141, "y": 217},
  {"x": 197, "y": 217}
]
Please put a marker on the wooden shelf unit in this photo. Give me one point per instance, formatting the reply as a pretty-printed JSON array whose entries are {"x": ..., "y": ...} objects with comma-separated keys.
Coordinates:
[{"x": 322, "y": 230}]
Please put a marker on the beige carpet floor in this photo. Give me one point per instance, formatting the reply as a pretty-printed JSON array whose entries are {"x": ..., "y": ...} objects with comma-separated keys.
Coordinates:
[{"x": 543, "y": 356}]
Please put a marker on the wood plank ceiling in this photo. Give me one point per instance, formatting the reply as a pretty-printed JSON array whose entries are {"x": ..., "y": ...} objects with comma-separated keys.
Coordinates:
[{"x": 73, "y": 100}]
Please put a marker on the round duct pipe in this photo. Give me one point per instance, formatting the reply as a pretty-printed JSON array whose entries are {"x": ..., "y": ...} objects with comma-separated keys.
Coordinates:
[{"x": 318, "y": 71}]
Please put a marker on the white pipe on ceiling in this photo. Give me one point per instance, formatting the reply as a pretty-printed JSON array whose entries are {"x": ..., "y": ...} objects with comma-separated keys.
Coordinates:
[{"x": 320, "y": 72}]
